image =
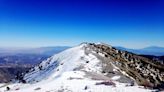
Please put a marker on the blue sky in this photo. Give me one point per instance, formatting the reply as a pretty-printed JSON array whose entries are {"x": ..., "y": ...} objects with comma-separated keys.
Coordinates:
[{"x": 37, "y": 23}]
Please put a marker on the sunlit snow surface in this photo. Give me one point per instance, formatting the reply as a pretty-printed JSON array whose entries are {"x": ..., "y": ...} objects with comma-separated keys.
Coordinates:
[{"x": 66, "y": 72}]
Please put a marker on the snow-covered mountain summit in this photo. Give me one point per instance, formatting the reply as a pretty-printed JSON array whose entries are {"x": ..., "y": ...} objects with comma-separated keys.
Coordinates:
[
  {"x": 93, "y": 68},
  {"x": 72, "y": 59}
]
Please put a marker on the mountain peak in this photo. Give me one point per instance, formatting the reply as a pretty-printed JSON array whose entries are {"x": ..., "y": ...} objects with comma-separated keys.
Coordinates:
[{"x": 97, "y": 64}]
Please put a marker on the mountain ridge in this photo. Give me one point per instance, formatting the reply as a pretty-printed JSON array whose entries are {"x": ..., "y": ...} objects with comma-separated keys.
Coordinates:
[
  {"x": 93, "y": 67},
  {"x": 124, "y": 56}
]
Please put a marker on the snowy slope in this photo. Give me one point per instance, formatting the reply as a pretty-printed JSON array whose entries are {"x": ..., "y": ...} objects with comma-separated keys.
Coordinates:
[
  {"x": 77, "y": 69},
  {"x": 74, "y": 82},
  {"x": 68, "y": 60}
]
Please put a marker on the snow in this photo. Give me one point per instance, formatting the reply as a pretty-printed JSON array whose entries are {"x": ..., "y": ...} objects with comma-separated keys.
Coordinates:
[
  {"x": 101, "y": 54},
  {"x": 73, "y": 81},
  {"x": 66, "y": 72},
  {"x": 68, "y": 60},
  {"x": 115, "y": 78}
]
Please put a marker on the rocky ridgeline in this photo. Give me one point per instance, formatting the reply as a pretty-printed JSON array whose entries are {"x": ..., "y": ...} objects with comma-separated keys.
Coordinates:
[{"x": 144, "y": 71}]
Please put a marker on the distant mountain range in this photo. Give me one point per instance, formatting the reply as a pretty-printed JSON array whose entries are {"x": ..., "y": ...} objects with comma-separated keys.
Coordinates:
[
  {"x": 42, "y": 50},
  {"x": 153, "y": 50}
]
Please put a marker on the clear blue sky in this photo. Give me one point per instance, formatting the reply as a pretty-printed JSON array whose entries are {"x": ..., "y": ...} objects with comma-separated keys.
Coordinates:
[{"x": 37, "y": 23}]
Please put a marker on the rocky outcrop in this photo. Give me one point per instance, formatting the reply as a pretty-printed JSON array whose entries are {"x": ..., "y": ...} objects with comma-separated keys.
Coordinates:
[{"x": 144, "y": 71}]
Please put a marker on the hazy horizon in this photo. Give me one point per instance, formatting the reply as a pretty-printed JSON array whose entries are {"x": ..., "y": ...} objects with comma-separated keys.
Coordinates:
[
  {"x": 33, "y": 47},
  {"x": 41, "y": 23}
]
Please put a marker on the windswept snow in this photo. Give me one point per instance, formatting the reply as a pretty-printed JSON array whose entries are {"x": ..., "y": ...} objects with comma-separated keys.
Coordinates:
[
  {"x": 74, "y": 81},
  {"x": 69, "y": 60},
  {"x": 115, "y": 78}
]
